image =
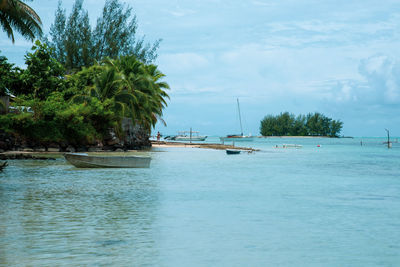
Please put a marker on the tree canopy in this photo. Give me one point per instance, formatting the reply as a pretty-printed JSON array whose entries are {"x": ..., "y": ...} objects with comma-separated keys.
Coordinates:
[
  {"x": 76, "y": 44},
  {"x": 82, "y": 107},
  {"x": 286, "y": 124}
]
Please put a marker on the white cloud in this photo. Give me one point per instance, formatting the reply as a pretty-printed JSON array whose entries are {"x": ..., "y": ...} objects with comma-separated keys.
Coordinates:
[
  {"x": 263, "y": 3},
  {"x": 383, "y": 76},
  {"x": 181, "y": 12},
  {"x": 182, "y": 62}
]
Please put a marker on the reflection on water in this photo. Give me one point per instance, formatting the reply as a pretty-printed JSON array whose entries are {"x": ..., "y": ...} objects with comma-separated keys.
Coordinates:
[
  {"x": 55, "y": 214},
  {"x": 332, "y": 205}
]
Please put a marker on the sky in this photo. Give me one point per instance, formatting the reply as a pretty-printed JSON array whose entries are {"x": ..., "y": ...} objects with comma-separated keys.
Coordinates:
[{"x": 340, "y": 58}]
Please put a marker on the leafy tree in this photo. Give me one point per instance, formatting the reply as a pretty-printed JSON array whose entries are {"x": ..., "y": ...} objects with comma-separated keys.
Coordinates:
[
  {"x": 57, "y": 33},
  {"x": 115, "y": 34},
  {"x": 285, "y": 124},
  {"x": 78, "y": 38},
  {"x": 335, "y": 128},
  {"x": 318, "y": 124},
  {"x": 15, "y": 14},
  {"x": 5, "y": 73},
  {"x": 268, "y": 125},
  {"x": 58, "y": 121},
  {"x": 78, "y": 83},
  {"x": 143, "y": 81},
  {"x": 76, "y": 45},
  {"x": 313, "y": 123},
  {"x": 10, "y": 77},
  {"x": 135, "y": 89},
  {"x": 107, "y": 86},
  {"x": 80, "y": 108},
  {"x": 299, "y": 128},
  {"x": 43, "y": 74}
]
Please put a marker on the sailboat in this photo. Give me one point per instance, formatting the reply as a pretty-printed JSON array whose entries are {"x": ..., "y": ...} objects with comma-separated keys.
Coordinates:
[{"x": 237, "y": 137}]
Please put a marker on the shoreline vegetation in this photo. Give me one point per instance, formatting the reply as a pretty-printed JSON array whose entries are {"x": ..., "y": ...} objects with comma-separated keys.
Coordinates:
[
  {"x": 312, "y": 124},
  {"x": 96, "y": 89},
  {"x": 84, "y": 88}
]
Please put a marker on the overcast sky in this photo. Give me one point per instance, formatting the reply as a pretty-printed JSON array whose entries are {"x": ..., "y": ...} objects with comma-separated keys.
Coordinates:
[{"x": 340, "y": 58}]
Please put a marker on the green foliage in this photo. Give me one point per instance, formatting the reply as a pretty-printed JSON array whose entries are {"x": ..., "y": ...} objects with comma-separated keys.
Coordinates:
[
  {"x": 76, "y": 45},
  {"x": 78, "y": 83},
  {"x": 78, "y": 39},
  {"x": 43, "y": 74},
  {"x": 6, "y": 74},
  {"x": 55, "y": 121},
  {"x": 87, "y": 122},
  {"x": 115, "y": 34},
  {"x": 80, "y": 108},
  {"x": 57, "y": 33},
  {"x": 143, "y": 81},
  {"x": 16, "y": 15},
  {"x": 134, "y": 88},
  {"x": 287, "y": 124},
  {"x": 10, "y": 77}
]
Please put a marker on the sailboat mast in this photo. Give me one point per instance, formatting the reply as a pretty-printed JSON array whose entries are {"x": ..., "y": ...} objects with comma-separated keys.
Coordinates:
[{"x": 240, "y": 118}]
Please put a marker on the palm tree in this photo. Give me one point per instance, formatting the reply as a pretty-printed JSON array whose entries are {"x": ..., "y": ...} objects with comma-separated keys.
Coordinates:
[
  {"x": 143, "y": 82},
  {"x": 15, "y": 14},
  {"x": 131, "y": 89},
  {"x": 157, "y": 92},
  {"x": 107, "y": 86}
]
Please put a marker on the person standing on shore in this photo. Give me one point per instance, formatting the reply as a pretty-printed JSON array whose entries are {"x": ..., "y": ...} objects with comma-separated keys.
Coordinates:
[{"x": 158, "y": 136}]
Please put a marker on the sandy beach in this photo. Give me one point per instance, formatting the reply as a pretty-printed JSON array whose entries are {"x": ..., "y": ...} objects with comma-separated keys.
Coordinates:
[
  {"x": 199, "y": 145},
  {"x": 43, "y": 155}
]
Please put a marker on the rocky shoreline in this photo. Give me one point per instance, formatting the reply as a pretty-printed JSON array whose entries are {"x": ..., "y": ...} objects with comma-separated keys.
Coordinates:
[
  {"x": 27, "y": 155},
  {"x": 10, "y": 142}
]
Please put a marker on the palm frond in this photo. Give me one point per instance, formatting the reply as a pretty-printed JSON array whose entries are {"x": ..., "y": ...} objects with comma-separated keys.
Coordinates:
[{"x": 15, "y": 14}]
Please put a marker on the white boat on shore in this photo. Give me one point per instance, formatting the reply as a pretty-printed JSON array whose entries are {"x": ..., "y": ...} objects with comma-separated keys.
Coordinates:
[
  {"x": 237, "y": 137},
  {"x": 83, "y": 160},
  {"x": 188, "y": 136}
]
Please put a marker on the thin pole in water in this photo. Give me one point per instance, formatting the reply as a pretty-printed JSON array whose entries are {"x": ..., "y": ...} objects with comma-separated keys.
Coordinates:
[
  {"x": 240, "y": 118},
  {"x": 389, "y": 144},
  {"x": 190, "y": 134}
]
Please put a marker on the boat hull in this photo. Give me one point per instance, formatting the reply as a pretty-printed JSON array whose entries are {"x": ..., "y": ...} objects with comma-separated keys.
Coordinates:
[
  {"x": 237, "y": 138},
  {"x": 187, "y": 138},
  {"x": 86, "y": 161},
  {"x": 232, "y": 151},
  {"x": 291, "y": 146}
]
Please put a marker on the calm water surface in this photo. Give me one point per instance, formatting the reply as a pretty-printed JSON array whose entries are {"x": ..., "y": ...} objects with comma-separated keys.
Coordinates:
[{"x": 334, "y": 205}]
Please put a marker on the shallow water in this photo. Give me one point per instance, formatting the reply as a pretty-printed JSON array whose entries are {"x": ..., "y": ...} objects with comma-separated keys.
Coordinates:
[{"x": 333, "y": 205}]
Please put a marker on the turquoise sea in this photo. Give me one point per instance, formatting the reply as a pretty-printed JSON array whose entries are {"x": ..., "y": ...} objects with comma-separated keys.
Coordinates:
[{"x": 333, "y": 205}]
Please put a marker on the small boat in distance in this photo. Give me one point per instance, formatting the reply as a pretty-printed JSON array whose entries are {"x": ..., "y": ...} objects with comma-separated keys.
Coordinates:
[
  {"x": 237, "y": 137},
  {"x": 233, "y": 151},
  {"x": 83, "y": 160},
  {"x": 187, "y": 136},
  {"x": 291, "y": 146}
]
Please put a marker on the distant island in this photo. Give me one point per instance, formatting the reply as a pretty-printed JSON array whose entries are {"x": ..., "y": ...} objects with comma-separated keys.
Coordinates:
[{"x": 312, "y": 124}]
